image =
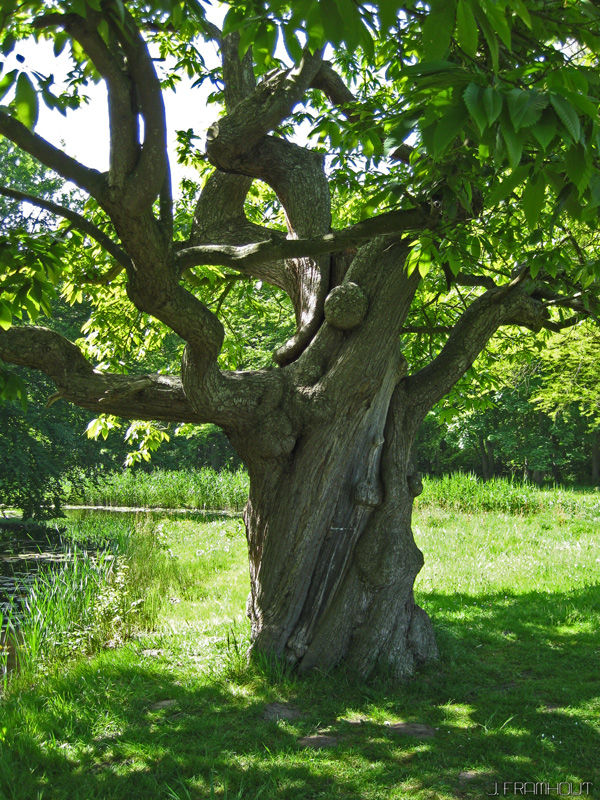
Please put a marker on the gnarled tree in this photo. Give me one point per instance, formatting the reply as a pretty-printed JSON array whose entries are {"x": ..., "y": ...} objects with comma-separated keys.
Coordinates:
[{"x": 402, "y": 256}]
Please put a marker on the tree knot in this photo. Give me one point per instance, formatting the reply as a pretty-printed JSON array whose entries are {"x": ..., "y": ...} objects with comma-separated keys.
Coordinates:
[{"x": 346, "y": 306}]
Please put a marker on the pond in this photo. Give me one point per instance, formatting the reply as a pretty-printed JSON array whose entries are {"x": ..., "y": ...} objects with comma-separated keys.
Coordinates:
[{"x": 29, "y": 550}]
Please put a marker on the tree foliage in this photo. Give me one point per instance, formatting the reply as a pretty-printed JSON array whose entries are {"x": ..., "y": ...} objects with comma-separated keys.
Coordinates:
[{"x": 482, "y": 112}]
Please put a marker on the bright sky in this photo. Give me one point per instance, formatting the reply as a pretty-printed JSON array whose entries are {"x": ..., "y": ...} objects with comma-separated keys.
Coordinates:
[{"x": 83, "y": 133}]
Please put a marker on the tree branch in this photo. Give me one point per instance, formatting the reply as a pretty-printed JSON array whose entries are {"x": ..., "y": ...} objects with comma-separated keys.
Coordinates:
[
  {"x": 557, "y": 327},
  {"x": 238, "y": 75},
  {"x": 469, "y": 336},
  {"x": 124, "y": 138},
  {"x": 78, "y": 221},
  {"x": 220, "y": 220},
  {"x": 231, "y": 138},
  {"x": 136, "y": 178},
  {"x": 428, "y": 329},
  {"x": 339, "y": 95},
  {"x": 89, "y": 179},
  {"x": 245, "y": 257},
  {"x": 466, "y": 279},
  {"x": 148, "y": 397},
  {"x": 146, "y": 181}
]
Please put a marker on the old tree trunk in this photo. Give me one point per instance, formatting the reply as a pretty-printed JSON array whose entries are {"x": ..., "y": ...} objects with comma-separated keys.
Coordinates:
[
  {"x": 332, "y": 557},
  {"x": 327, "y": 433}
]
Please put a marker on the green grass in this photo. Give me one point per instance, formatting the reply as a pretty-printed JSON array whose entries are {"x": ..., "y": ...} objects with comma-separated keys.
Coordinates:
[
  {"x": 197, "y": 489},
  {"x": 176, "y": 713},
  {"x": 465, "y": 492}
]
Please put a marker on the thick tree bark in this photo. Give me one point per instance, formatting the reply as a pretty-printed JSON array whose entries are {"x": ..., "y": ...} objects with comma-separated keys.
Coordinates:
[
  {"x": 486, "y": 454},
  {"x": 332, "y": 555}
]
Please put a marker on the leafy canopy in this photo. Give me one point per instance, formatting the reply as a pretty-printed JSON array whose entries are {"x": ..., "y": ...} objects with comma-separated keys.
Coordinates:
[{"x": 486, "y": 109}]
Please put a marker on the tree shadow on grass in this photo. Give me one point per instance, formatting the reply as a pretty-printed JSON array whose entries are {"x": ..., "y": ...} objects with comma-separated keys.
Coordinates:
[{"x": 514, "y": 698}]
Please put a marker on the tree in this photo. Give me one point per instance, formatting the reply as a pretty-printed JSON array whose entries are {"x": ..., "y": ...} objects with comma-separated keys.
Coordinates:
[
  {"x": 454, "y": 180},
  {"x": 571, "y": 363}
]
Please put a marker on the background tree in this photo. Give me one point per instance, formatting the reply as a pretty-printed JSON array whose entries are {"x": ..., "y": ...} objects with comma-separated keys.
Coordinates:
[
  {"x": 516, "y": 417},
  {"x": 456, "y": 177}
]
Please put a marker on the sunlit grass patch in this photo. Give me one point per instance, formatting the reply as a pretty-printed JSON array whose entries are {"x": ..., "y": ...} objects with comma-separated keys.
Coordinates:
[{"x": 177, "y": 712}]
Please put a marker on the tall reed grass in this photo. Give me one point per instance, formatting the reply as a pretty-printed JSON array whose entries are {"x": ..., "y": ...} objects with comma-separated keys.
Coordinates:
[
  {"x": 228, "y": 491},
  {"x": 465, "y": 492},
  {"x": 194, "y": 489},
  {"x": 93, "y": 599}
]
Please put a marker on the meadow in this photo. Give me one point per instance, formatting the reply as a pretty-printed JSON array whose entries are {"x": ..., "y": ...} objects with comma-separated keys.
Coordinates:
[{"x": 150, "y": 695}]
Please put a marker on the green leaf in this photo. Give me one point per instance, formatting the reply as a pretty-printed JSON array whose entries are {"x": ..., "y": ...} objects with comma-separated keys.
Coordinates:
[
  {"x": 5, "y": 316},
  {"x": 13, "y": 387},
  {"x": 561, "y": 201},
  {"x": 291, "y": 43},
  {"x": 492, "y": 103},
  {"x": 314, "y": 28},
  {"x": 578, "y": 166},
  {"x": 388, "y": 14},
  {"x": 333, "y": 24},
  {"x": 94, "y": 428},
  {"x": 567, "y": 115},
  {"x": 467, "y": 33},
  {"x": 26, "y": 102},
  {"x": 580, "y": 101},
  {"x": 412, "y": 262},
  {"x": 514, "y": 143},
  {"x": 8, "y": 45},
  {"x": 437, "y": 29},
  {"x": 490, "y": 37},
  {"x": 79, "y": 7},
  {"x": 475, "y": 247},
  {"x": 525, "y": 107},
  {"x": 448, "y": 128},
  {"x": 424, "y": 266},
  {"x": 533, "y": 199},
  {"x": 234, "y": 20},
  {"x": 501, "y": 190},
  {"x": 521, "y": 10},
  {"x": 545, "y": 130},
  {"x": 351, "y": 29},
  {"x": 473, "y": 97},
  {"x": 121, "y": 11},
  {"x": 7, "y": 82},
  {"x": 495, "y": 12},
  {"x": 594, "y": 185},
  {"x": 454, "y": 262}
]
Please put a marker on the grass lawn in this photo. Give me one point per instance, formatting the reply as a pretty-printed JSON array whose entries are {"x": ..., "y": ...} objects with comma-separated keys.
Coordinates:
[{"x": 176, "y": 713}]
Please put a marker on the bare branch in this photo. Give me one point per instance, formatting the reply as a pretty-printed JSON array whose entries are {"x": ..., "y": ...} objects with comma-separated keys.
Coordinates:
[
  {"x": 245, "y": 257},
  {"x": 231, "y": 138},
  {"x": 89, "y": 179},
  {"x": 469, "y": 336},
  {"x": 428, "y": 329},
  {"x": 149, "y": 397},
  {"x": 76, "y": 219},
  {"x": 146, "y": 181},
  {"x": 466, "y": 279},
  {"x": 557, "y": 327},
  {"x": 136, "y": 177},
  {"x": 124, "y": 138}
]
